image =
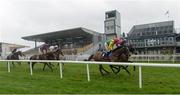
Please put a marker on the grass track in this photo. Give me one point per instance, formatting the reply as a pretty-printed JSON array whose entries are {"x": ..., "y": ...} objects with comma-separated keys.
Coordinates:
[{"x": 19, "y": 81}]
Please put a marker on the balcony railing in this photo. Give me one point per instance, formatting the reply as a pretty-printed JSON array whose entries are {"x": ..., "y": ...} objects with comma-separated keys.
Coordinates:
[{"x": 160, "y": 45}]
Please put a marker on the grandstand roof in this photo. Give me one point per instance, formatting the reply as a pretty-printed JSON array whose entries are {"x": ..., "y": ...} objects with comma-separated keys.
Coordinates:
[
  {"x": 150, "y": 25},
  {"x": 68, "y": 33}
]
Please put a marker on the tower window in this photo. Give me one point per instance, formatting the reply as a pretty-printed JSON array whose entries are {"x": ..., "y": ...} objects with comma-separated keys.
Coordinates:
[{"x": 110, "y": 15}]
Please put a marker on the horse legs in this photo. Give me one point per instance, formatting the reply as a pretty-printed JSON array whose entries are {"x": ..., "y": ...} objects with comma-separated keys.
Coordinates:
[
  {"x": 13, "y": 64},
  {"x": 134, "y": 67},
  {"x": 61, "y": 65},
  {"x": 33, "y": 63},
  {"x": 115, "y": 69},
  {"x": 19, "y": 63},
  {"x": 101, "y": 69},
  {"x": 125, "y": 68},
  {"x": 49, "y": 65},
  {"x": 44, "y": 66}
]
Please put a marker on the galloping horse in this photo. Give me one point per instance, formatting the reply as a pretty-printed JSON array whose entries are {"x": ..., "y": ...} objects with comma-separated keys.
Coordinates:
[
  {"x": 48, "y": 56},
  {"x": 120, "y": 54},
  {"x": 15, "y": 56}
]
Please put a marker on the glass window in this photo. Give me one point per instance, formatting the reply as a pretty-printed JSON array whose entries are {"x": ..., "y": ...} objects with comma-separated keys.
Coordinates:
[{"x": 107, "y": 27}]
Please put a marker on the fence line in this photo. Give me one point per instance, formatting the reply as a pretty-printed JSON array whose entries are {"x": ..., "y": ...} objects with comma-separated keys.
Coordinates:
[
  {"x": 162, "y": 58},
  {"x": 140, "y": 65}
]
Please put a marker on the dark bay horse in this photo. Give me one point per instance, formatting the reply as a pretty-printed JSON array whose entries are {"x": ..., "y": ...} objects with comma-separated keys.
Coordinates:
[
  {"x": 55, "y": 55},
  {"x": 15, "y": 56},
  {"x": 120, "y": 54}
]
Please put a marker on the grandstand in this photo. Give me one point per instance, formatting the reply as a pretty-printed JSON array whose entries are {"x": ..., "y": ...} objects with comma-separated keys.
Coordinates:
[
  {"x": 155, "y": 38},
  {"x": 76, "y": 41}
]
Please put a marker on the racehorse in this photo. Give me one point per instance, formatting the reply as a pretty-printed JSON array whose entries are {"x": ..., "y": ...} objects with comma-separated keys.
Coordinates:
[
  {"x": 120, "y": 54},
  {"x": 48, "y": 56},
  {"x": 15, "y": 56}
]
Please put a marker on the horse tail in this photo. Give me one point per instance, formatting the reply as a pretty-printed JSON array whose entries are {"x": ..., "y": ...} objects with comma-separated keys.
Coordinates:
[
  {"x": 90, "y": 57},
  {"x": 31, "y": 58}
]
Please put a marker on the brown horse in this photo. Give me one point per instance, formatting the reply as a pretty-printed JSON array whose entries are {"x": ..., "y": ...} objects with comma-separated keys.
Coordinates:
[
  {"x": 120, "y": 54},
  {"x": 55, "y": 55},
  {"x": 15, "y": 56}
]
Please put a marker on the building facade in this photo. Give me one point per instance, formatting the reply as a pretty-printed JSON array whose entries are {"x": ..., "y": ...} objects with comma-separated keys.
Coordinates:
[
  {"x": 154, "y": 38},
  {"x": 112, "y": 24}
]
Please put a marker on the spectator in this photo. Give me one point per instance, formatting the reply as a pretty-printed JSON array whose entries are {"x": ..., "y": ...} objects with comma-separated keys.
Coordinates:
[{"x": 100, "y": 48}]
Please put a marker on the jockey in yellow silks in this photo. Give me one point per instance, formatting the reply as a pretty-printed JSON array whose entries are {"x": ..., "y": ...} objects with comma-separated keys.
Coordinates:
[{"x": 109, "y": 45}]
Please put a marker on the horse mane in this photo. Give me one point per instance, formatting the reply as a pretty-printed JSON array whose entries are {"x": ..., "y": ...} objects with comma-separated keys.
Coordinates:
[
  {"x": 60, "y": 50},
  {"x": 17, "y": 53}
]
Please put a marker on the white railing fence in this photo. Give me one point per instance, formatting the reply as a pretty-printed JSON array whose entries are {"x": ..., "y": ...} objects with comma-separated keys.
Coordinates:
[
  {"x": 149, "y": 58},
  {"x": 140, "y": 65}
]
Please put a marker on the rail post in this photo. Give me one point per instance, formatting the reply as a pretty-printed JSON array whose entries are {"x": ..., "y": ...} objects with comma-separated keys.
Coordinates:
[
  {"x": 60, "y": 70},
  {"x": 140, "y": 77},
  {"x": 9, "y": 68},
  {"x": 148, "y": 58},
  {"x": 30, "y": 66},
  {"x": 88, "y": 75},
  {"x": 173, "y": 58}
]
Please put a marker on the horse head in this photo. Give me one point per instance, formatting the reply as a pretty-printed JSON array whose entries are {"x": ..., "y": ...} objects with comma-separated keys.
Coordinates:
[
  {"x": 59, "y": 52},
  {"x": 19, "y": 53},
  {"x": 15, "y": 55},
  {"x": 55, "y": 54},
  {"x": 132, "y": 49}
]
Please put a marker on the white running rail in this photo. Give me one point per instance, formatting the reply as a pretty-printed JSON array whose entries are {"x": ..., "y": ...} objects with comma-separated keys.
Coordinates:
[{"x": 140, "y": 65}]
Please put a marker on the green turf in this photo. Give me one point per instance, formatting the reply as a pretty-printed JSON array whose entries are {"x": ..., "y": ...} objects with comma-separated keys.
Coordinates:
[{"x": 19, "y": 80}]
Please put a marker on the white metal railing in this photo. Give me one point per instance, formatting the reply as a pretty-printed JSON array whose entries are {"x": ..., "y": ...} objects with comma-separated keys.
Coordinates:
[
  {"x": 149, "y": 58},
  {"x": 140, "y": 65}
]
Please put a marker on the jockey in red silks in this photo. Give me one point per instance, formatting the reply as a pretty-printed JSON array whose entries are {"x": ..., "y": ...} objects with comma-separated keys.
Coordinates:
[{"x": 118, "y": 42}]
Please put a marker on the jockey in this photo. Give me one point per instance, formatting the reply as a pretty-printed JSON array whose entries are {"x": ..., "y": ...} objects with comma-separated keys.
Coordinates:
[
  {"x": 118, "y": 42},
  {"x": 110, "y": 44},
  {"x": 55, "y": 48},
  {"x": 45, "y": 48},
  {"x": 51, "y": 48}
]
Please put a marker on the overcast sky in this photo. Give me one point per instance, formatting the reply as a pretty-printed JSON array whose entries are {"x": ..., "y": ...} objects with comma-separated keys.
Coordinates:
[{"x": 20, "y": 18}]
